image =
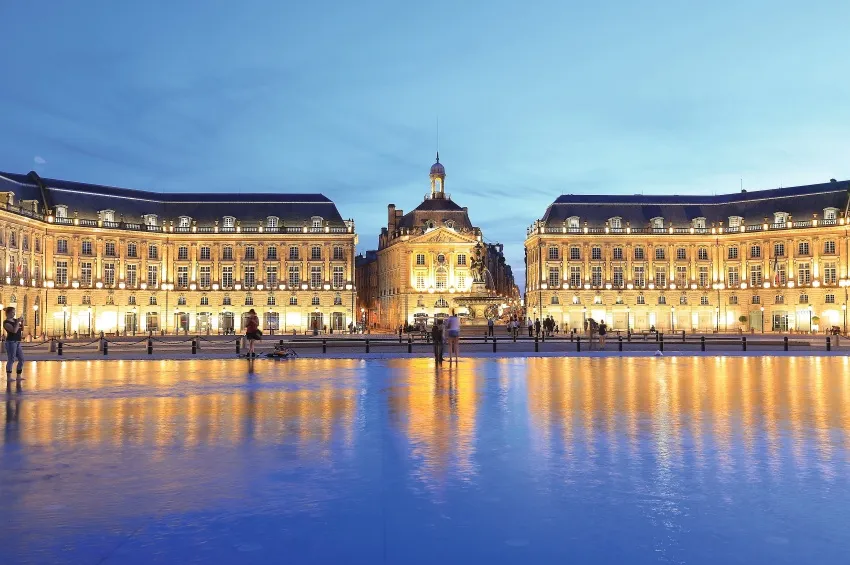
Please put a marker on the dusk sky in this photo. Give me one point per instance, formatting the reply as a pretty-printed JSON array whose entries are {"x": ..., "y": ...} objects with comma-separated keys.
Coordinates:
[{"x": 534, "y": 99}]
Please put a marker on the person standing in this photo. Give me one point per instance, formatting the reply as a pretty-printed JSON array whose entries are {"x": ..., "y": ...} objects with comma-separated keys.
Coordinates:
[
  {"x": 530, "y": 328},
  {"x": 453, "y": 331},
  {"x": 14, "y": 328},
  {"x": 603, "y": 329},
  {"x": 490, "y": 325},
  {"x": 437, "y": 339},
  {"x": 537, "y": 327},
  {"x": 252, "y": 331}
]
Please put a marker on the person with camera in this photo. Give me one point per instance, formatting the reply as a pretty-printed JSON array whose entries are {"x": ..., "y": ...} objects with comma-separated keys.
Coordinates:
[{"x": 14, "y": 328}]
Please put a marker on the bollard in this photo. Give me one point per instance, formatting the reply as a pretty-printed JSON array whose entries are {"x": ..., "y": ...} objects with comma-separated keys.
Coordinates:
[
  {"x": 280, "y": 342},
  {"x": 52, "y": 345},
  {"x": 60, "y": 348},
  {"x": 702, "y": 342},
  {"x": 656, "y": 335},
  {"x": 399, "y": 337},
  {"x": 571, "y": 335},
  {"x": 683, "y": 336},
  {"x": 660, "y": 341},
  {"x": 106, "y": 345},
  {"x": 485, "y": 337},
  {"x": 494, "y": 344},
  {"x": 324, "y": 345},
  {"x": 410, "y": 344},
  {"x": 578, "y": 343},
  {"x": 744, "y": 343},
  {"x": 828, "y": 344},
  {"x": 238, "y": 346},
  {"x": 194, "y": 347},
  {"x": 785, "y": 342},
  {"x": 620, "y": 343},
  {"x": 514, "y": 336},
  {"x": 629, "y": 336},
  {"x": 536, "y": 345},
  {"x": 367, "y": 346},
  {"x": 150, "y": 346}
]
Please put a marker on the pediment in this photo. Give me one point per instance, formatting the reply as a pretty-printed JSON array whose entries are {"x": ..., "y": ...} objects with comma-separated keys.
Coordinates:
[{"x": 442, "y": 235}]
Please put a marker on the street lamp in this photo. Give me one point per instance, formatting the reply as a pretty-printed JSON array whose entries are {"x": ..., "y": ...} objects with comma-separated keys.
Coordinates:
[
  {"x": 844, "y": 308},
  {"x": 64, "y": 321},
  {"x": 35, "y": 315},
  {"x": 810, "y": 318},
  {"x": 135, "y": 321},
  {"x": 673, "y": 318},
  {"x": 363, "y": 319},
  {"x": 90, "y": 330},
  {"x": 762, "y": 319},
  {"x": 628, "y": 315},
  {"x": 717, "y": 319}
]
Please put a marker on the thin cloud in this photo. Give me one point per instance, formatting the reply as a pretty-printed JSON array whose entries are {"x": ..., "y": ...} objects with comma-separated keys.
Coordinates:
[{"x": 39, "y": 160}]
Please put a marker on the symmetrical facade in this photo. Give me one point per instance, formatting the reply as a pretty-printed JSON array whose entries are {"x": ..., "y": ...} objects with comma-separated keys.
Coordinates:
[
  {"x": 432, "y": 260},
  {"x": 778, "y": 258},
  {"x": 79, "y": 258}
]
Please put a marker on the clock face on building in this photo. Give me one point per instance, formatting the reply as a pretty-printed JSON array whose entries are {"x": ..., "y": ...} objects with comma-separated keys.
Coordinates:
[{"x": 441, "y": 258}]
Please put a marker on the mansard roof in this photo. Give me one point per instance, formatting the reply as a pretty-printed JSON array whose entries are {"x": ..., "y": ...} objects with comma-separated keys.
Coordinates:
[
  {"x": 204, "y": 207},
  {"x": 799, "y": 201}
]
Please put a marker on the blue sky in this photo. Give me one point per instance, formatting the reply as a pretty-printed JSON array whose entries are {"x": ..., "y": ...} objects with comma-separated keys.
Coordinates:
[{"x": 534, "y": 99}]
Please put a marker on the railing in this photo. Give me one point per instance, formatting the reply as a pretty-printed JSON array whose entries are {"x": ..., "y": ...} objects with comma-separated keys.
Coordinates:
[{"x": 538, "y": 228}]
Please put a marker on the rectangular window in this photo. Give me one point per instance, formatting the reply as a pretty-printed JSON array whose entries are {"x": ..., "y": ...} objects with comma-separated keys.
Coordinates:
[
  {"x": 596, "y": 276},
  {"x": 37, "y": 244},
  {"x": 829, "y": 248},
  {"x": 85, "y": 274},
  {"x": 182, "y": 277},
  {"x": 553, "y": 254},
  {"x": 779, "y": 250},
  {"x": 829, "y": 273},
  {"x": 109, "y": 249},
  {"x": 132, "y": 278},
  {"x": 575, "y": 277},
  {"x": 183, "y": 253},
  {"x": 755, "y": 276},
  {"x": 803, "y": 248},
  {"x": 293, "y": 252},
  {"x": 640, "y": 277},
  {"x": 294, "y": 277},
  {"x": 205, "y": 253},
  {"x": 733, "y": 277},
  {"x": 755, "y": 251},
  {"x": 315, "y": 277},
  {"x": 659, "y": 253},
  {"x": 618, "y": 253},
  {"x": 26, "y": 242},
  {"x": 596, "y": 253},
  {"x": 420, "y": 282},
  {"x": 618, "y": 277},
  {"x": 639, "y": 254},
  {"x": 829, "y": 299},
  {"x": 205, "y": 276},
  {"x": 733, "y": 252},
  {"x": 756, "y": 299},
  {"x": 703, "y": 300},
  {"x": 420, "y": 259},
  {"x": 227, "y": 253},
  {"x": 733, "y": 300},
  {"x": 703, "y": 277},
  {"x": 271, "y": 276},
  {"x": 338, "y": 279},
  {"x": 339, "y": 254},
  {"x": 461, "y": 281},
  {"x": 804, "y": 273},
  {"x": 153, "y": 252},
  {"x": 575, "y": 253},
  {"x": 461, "y": 260},
  {"x": 62, "y": 246},
  {"x": 249, "y": 276},
  {"x": 702, "y": 254},
  {"x": 681, "y": 276},
  {"x": 661, "y": 276},
  {"x": 153, "y": 275},
  {"x": 227, "y": 277},
  {"x": 315, "y": 253},
  {"x": 554, "y": 277},
  {"x": 271, "y": 252},
  {"x": 109, "y": 274},
  {"x": 62, "y": 273},
  {"x": 781, "y": 273},
  {"x": 86, "y": 248},
  {"x": 681, "y": 254},
  {"x": 132, "y": 250},
  {"x": 250, "y": 253}
]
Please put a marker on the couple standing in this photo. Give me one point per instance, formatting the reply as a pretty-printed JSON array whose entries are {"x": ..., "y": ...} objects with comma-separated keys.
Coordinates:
[{"x": 451, "y": 332}]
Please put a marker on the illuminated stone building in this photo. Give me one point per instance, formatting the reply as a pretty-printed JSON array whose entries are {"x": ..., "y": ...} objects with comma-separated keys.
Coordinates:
[
  {"x": 80, "y": 258},
  {"x": 778, "y": 258},
  {"x": 433, "y": 260}
]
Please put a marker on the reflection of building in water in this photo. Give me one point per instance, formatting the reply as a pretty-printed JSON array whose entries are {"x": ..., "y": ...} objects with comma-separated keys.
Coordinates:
[
  {"x": 696, "y": 412},
  {"x": 437, "y": 412}
]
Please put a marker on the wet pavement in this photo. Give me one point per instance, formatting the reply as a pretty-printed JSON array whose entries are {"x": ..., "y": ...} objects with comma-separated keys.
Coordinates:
[{"x": 512, "y": 460}]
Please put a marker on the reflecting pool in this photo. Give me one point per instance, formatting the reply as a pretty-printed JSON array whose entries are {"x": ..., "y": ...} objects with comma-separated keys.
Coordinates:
[{"x": 513, "y": 460}]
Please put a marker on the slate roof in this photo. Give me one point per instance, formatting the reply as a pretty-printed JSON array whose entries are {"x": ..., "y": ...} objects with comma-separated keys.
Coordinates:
[
  {"x": 205, "y": 208},
  {"x": 439, "y": 210},
  {"x": 799, "y": 201}
]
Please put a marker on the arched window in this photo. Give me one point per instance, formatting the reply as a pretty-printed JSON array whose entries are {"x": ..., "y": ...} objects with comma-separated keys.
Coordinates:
[
  {"x": 683, "y": 299},
  {"x": 337, "y": 299},
  {"x": 249, "y": 300},
  {"x": 780, "y": 218},
  {"x": 61, "y": 211},
  {"x": 450, "y": 224},
  {"x": 228, "y": 222},
  {"x": 225, "y": 301},
  {"x": 131, "y": 300},
  {"x": 184, "y": 222},
  {"x": 270, "y": 301},
  {"x": 442, "y": 278},
  {"x": 181, "y": 300},
  {"x": 699, "y": 223},
  {"x": 272, "y": 221},
  {"x": 315, "y": 301},
  {"x": 779, "y": 299},
  {"x": 205, "y": 300},
  {"x": 573, "y": 222},
  {"x": 616, "y": 222},
  {"x": 657, "y": 223},
  {"x": 106, "y": 215},
  {"x": 316, "y": 222},
  {"x": 662, "y": 299},
  {"x": 830, "y": 214},
  {"x": 441, "y": 303},
  {"x": 293, "y": 300},
  {"x": 576, "y": 299},
  {"x": 150, "y": 219}
]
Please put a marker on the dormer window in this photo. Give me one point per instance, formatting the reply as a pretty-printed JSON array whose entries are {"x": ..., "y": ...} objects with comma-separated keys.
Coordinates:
[
  {"x": 316, "y": 222},
  {"x": 780, "y": 218},
  {"x": 830, "y": 214},
  {"x": 150, "y": 219},
  {"x": 657, "y": 223},
  {"x": 735, "y": 221},
  {"x": 228, "y": 222},
  {"x": 184, "y": 222},
  {"x": 450, "y": 224},
  {"x": 61, "y": 211},
  {"x": 272, "y": 222},
  {"x": 106, "y": 215},
  {"x": 430, "y": 224},
  {"x": 573, "y": 222},
  {"x": 616, "y": 223},
  {"x": 699, "y": 223}
]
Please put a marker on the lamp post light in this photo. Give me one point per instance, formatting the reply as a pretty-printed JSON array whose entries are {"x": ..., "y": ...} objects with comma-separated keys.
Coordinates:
[
  {"x": 176, "y": 322},
  {"x": 673, "y": 318},
  {"x": 717, "y": 319},
  {"x": 628, "y": 321},
  {"x": 64, "y": 321},
  {"x": 762, "y": 319},
  {"x": 844, "y": 308},
  {"x": 583, "y": 317},
  {"x": 35, "y": 315},
  {"x": 135, "y": 320},
  {"x": 90, "y": 328},
  {"x": 810, "y": 319},
  {"x": 363, "y": 319}
]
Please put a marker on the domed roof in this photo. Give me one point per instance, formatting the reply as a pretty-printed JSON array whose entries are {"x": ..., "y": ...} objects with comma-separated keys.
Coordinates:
[{"x": 438, "y": 168}]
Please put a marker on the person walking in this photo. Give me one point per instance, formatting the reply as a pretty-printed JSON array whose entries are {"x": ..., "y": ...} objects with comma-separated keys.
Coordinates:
[
  {"x": 530, "y": 328},
  {"x": 252, "y": 331},
  {"x": 603, "y": 329},
  {"x": 490, "y": 325},
  {"x": 437, "y": 339},
  {"x": 537, "y": 327},
  {"x": 453, "y": 332},
  {"x": 14, "y": 328}
]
